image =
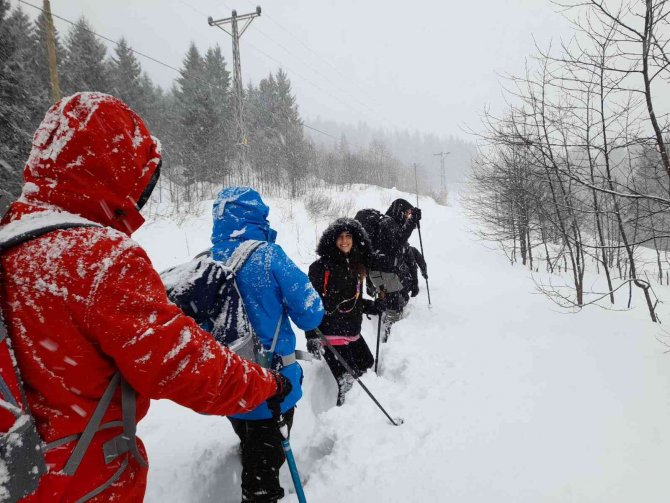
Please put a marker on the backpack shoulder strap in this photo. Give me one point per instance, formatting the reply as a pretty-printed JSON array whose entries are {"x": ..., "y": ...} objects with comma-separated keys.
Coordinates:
[
  {"x": 242, "y": 253},
  {"x": 14, "y": 234},
  {"x": 326, "y": 276}
]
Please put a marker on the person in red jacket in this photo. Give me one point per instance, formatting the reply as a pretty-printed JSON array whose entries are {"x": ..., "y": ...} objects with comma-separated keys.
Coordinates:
[{"x": 83, "y": 303}]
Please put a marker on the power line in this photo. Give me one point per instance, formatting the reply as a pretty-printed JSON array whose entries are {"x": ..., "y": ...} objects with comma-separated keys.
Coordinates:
[
  {"x": 151, "y": 58},
  {"x": 325, "y": 61},
  {"x": 106, "y": 38},
  {"x": 372, "y": 113}
]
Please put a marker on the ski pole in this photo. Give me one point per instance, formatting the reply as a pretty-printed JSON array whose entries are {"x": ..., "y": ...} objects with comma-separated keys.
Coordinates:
[
  {"x": 290, "y": 459},
  {"x": 395, "y": 422},
  {"x": 418, "y": 228},
  {"x": 379, "y": 334}
]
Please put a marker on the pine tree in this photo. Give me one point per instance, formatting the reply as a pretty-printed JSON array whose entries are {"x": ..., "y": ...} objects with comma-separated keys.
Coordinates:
[
  {"x": 84, "y": 67},
  {"x": 191, "y": 99},
  {"x": 219, "y": 141},
  {"x": 293, "y": 151},
  {"x": 17, "y": 95},
  {"x": 126, "y": 77},
  {"x": 277, "y": 145}
]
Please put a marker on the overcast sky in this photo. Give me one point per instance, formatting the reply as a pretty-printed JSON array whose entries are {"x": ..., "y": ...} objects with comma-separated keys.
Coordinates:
[{"x": 427, "y": 65}]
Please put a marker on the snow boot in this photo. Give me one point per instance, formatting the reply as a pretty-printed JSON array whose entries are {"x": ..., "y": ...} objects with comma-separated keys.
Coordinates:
[
  {"x": 344, "y": 384},
  {"x": 390, "y": 317}
]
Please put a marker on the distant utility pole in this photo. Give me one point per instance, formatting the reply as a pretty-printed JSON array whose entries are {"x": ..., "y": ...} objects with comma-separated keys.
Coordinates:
[
  {"x": 443, "y": 174},
  {"x": 51, "y": 51},
  {"x": 236, "y": 33}
]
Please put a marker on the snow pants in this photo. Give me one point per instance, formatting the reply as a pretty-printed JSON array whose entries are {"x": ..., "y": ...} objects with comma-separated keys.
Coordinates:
[
  {"x": 357, "y": 354},
  {"x": 262, "y": 457}
]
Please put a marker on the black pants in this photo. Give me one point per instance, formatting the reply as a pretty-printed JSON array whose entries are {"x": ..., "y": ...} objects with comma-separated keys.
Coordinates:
[
  {"x": 357, "y": 354},
  {"x": 262, "y": 457}
]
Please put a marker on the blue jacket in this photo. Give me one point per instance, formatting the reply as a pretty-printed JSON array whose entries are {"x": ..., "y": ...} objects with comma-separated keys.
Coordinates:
[{"x": 270, "y": 284}]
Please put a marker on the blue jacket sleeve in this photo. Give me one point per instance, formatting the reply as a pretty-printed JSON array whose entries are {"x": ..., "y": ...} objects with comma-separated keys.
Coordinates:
[{"x": 302, "y": 302}]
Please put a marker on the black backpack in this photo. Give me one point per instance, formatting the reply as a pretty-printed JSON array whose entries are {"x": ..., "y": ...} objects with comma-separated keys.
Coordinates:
[
  {"x": 372, "y": 220},
  {"x": 206, "y": 290}
]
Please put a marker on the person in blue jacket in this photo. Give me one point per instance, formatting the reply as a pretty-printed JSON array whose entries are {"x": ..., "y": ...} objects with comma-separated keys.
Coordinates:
[{"x": 273, "y": 289}]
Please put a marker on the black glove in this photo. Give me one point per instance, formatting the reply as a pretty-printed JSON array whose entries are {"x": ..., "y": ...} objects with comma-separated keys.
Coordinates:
[
  {"x": 380, "y": 305},
  {"x": 424, "y": 274},
  {"x": 415, "y": 291},
  {"x": 315, "y": 347},
  {"x": 284, "y": 387},
  {"x": 416, "y": 214}
]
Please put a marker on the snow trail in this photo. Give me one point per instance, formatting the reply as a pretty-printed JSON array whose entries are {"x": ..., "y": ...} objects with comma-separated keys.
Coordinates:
[{"x": 504, "y": 398}]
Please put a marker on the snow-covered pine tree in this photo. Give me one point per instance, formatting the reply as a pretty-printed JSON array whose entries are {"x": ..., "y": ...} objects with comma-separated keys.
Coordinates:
[
  {"x": 18, "y": 104},
  {"x": 126, "y": 76},
  {"x": 190, "y": 100},
  {"x": 219, "y": 143},
  {"x": 292, "y": 150},
  {"x": 84, "y": 66},
  {"x": 262, "y": 125}
]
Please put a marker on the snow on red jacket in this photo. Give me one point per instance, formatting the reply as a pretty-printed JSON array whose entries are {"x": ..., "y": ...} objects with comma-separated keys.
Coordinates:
[{"x": 82, "y": 303}]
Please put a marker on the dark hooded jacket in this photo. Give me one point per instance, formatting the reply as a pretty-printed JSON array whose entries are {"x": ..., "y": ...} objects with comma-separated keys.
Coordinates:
[
  {"x": 335, "y": 276},
  {"x": 395, "y": 232},
  {"x": 409, "y": 275}
]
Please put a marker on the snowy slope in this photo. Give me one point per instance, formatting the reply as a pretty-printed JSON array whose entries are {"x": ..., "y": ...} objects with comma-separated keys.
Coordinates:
[{"x": 505, "y": 399}]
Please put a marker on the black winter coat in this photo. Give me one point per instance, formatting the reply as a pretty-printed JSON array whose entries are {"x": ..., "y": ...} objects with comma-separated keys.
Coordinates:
[
  {"x": 394, "y": 233},
  {"x": 335, "y": 277}
]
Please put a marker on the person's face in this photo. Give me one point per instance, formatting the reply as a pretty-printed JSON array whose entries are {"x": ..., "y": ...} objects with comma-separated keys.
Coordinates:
[
  {"x": 408, "y": 213},
  {"x": 344, "y": 242}
]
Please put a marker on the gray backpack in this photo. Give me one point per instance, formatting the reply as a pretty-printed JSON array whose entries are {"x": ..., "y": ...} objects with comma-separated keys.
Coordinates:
[{"x": 21, "y": 448}]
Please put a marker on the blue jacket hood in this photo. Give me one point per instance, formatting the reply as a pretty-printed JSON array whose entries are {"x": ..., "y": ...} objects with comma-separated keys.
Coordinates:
[{"x": 239, "y": 214}]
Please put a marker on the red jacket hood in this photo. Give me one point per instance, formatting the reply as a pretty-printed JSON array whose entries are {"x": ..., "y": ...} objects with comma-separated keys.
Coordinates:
[{"x": 93, "y": 156}]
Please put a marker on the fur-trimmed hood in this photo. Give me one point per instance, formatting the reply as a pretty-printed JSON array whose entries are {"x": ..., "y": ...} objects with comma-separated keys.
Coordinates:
[{"x": 361, "y": 249}]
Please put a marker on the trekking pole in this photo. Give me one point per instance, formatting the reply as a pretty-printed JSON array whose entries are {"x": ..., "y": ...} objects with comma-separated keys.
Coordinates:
[
  {"x": 290, "y": 459},
  {"x": 395, "y": 422},
  {"x": 418, "y": 228},
  {"x": 379, "y": 335}
]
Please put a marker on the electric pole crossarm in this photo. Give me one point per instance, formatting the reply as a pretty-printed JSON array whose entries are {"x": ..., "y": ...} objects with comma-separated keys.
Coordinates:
[{"x": 216, "y": 22}]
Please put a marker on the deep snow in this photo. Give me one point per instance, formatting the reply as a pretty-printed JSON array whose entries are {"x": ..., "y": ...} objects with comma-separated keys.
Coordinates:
[{"x": 505, "y": 398}]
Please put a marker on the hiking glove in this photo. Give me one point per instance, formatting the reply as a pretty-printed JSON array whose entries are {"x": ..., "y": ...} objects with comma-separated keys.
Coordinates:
[
  {"x": 284, "y": 387},
  {"x": 424, "y": 274},
  {"x": 380, "y": 305},
  {"x": 416, "y": 214},
  {"x": 315, "y": 347}
]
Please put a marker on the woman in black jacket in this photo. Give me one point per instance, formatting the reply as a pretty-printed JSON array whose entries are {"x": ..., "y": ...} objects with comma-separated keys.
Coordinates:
[{"x": 338, "y": 276}]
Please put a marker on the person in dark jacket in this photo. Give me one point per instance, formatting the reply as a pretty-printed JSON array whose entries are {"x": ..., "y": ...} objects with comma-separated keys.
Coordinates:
[
  {"x": 338, "y": 276},
  {"x": 415, "y": 262},
  {"x": 395, "y": 232}
]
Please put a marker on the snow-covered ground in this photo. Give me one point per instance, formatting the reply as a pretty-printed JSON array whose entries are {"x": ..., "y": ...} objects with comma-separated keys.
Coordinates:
[{"x": 504, "y": 397}]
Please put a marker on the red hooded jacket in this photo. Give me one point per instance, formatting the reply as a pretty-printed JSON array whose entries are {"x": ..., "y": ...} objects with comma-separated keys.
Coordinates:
[{"x": 82, "y": 303}]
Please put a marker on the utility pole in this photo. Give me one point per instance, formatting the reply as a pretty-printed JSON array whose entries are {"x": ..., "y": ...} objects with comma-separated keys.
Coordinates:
[
  {"x": 230, "y": 26},
  {"x": 51, "y": 51},
  {"x": 443, "y": 174}
]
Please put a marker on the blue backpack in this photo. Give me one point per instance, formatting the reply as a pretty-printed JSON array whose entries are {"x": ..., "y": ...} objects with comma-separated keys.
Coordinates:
[{"x": 206, "y": 290}]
